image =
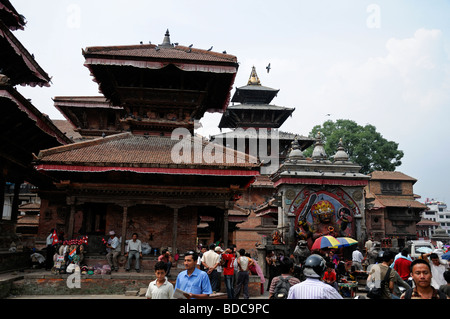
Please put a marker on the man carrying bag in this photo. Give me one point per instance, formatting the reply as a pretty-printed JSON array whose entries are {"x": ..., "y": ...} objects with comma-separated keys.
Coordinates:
[{"x": 378, "y": 271}]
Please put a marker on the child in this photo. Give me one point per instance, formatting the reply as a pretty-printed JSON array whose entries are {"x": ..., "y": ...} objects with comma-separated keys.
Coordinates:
[
  {"x": 329, "y": 276},
  {"x": 160, "y": 288}
]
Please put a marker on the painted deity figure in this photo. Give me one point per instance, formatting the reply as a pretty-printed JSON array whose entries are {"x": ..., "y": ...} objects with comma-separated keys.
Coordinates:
[
  {"x": 324, "y": 222},
  {"x": 277, "y": 239}
]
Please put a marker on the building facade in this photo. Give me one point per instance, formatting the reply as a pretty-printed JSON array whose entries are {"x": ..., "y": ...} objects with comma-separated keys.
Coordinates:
[
  {"x": 140, "y": 167},
  {"x": 437, "y": 211},
  {"x": 392, "y": 207}
]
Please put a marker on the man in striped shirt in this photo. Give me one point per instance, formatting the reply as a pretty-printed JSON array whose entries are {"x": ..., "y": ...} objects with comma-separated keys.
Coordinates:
[{"x": 313, "y": 287}]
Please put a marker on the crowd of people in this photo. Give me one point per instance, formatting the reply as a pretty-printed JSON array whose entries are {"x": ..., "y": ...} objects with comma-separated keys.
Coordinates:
[
  {"x": 203, "y": 273},
  {"x": 316, "y": 276},
  {"x": 398, "y": 276}
]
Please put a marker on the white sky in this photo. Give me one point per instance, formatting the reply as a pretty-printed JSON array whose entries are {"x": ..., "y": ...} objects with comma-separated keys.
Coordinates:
[{"x": 386, "y": 63}]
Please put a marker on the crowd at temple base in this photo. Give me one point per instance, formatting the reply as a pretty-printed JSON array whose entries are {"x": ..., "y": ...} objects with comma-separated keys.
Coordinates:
[{"x": 318, "y": 274}]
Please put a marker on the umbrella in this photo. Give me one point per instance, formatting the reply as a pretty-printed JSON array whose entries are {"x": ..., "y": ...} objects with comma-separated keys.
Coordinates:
[
  {"x": 325, "y": 242},
  {"x": 446, "y": 256},
  {"x": 346, "y": 241}
]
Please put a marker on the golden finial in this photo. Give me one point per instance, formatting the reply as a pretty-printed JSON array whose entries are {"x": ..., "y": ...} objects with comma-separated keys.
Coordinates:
[{"x": 254, "y": 80}]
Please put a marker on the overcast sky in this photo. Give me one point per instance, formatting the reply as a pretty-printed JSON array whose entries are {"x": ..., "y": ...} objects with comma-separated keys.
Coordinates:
[{"x": 386, "y": 63}]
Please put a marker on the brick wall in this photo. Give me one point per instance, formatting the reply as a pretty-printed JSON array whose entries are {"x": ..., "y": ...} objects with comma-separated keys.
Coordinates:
[
  {"x": 47, "y": 284},
  {"x": 247, "y": 235},
  {"x": 153, "y": 224}
]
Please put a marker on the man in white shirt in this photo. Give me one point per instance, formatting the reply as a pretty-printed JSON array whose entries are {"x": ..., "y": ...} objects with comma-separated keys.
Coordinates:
[
  {"x": 210, "y": 261},
  {"x": 357, "y": 259},
  {"x": 134, "y": 250},
  {"x": 113, "y": 249},
  {"x": 50, "y": 251},
  {"x": 313, "y": 287},
  {"x": 243, "y": 263},
  {"x": 438, "y": 267}
]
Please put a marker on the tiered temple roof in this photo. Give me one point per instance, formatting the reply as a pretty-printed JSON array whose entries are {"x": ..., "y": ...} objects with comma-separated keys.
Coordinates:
[
  {"x": 24, "y": 130},
  {"x": 254, "y": 109},
  {"x": 162, "y": 87}
]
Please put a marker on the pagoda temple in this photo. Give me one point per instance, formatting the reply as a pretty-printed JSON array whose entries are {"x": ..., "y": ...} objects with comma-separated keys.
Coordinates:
[
  {"x": 131, "y": 173},
  {"x": 254, "y": 124},
  {"x": 24, "y": 130}
]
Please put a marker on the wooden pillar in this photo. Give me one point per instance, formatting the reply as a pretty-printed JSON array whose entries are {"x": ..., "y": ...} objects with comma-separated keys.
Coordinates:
[
  {"x": 124, "y": 228},
  {"x": 2, "y": 190},
  {"x": 174, "y": 230},
  {"x": 71, "y": 221},
  {"x": 225, "y": 228},
  {"x": 15, "y": 202}
]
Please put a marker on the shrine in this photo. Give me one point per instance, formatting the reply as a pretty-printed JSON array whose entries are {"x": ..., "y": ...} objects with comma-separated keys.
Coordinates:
[
  {"x": 318, "y": 197},
  {"x": 124, "y": 173}
]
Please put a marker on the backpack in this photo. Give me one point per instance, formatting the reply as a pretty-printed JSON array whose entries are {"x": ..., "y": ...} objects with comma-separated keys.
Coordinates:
[
  {"x": 376, "y": 293},
  {"x": 409, "y": 292},
  {"x": 282, "y": 288}
]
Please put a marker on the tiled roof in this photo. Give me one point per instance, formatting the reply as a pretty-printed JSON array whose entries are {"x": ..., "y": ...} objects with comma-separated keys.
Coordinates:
[
  {"x": 148, "y": 51},
  {"x": 28, "y": 220},
  {"x": 385, "y": 175},
  {"x": 392, "y": 202},
  {"x": 67, "y": 128},
  {"x": 18, "y": 64},
  {"x": 30, "y": 206},
  {"x": 84, "y": 101},
  {"x": 10, "y": 17},
  {"x": 262, "y": 181},
  {"x": 381, "y": 201},
  {"x": 126, "y": 149},
  {"x": 427, "y": 222}
]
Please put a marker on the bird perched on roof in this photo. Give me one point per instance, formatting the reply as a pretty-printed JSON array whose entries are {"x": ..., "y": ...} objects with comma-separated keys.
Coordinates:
[
  {"x": 210, "y": 48},
  {"x": 190, "y": 45},
  {"x": 268, "y": 68}
]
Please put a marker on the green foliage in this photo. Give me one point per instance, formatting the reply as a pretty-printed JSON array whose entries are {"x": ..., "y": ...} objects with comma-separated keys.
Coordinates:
[{"x": 364, "y": 145}]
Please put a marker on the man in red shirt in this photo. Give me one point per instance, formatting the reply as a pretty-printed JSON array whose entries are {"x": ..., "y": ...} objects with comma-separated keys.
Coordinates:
[
  {"x": 228, "y": 258},
  {"x": 402, "y": 265}
]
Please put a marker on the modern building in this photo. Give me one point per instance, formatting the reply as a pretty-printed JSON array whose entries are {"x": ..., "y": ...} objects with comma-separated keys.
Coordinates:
[{"x": 438, "y": 212}]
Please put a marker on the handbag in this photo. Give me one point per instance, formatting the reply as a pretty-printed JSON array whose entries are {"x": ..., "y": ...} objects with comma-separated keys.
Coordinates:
[{"x": 376, "y": 292}]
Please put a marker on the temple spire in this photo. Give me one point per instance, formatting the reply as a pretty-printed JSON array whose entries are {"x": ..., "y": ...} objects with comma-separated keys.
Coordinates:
[
  {"x": 253, "y": 80},
  {"x": 341, "y": 155},
  {"x": 319, "y": 151},
  {"x": 166, "y": 40}
]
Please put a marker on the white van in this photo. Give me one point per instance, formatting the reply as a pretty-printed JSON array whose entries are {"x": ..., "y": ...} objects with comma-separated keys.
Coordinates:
[{"x": 415, "y": 245}]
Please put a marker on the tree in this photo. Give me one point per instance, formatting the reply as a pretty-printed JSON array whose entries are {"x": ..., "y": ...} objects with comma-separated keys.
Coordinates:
[{"x": 364, "y": 145}]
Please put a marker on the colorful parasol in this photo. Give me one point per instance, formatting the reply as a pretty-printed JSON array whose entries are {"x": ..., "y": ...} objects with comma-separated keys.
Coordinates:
[
  {"x": 325, "y": 242},
  {"x": 446, "y": 256},
  {"x": 346, "y": 241}
]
